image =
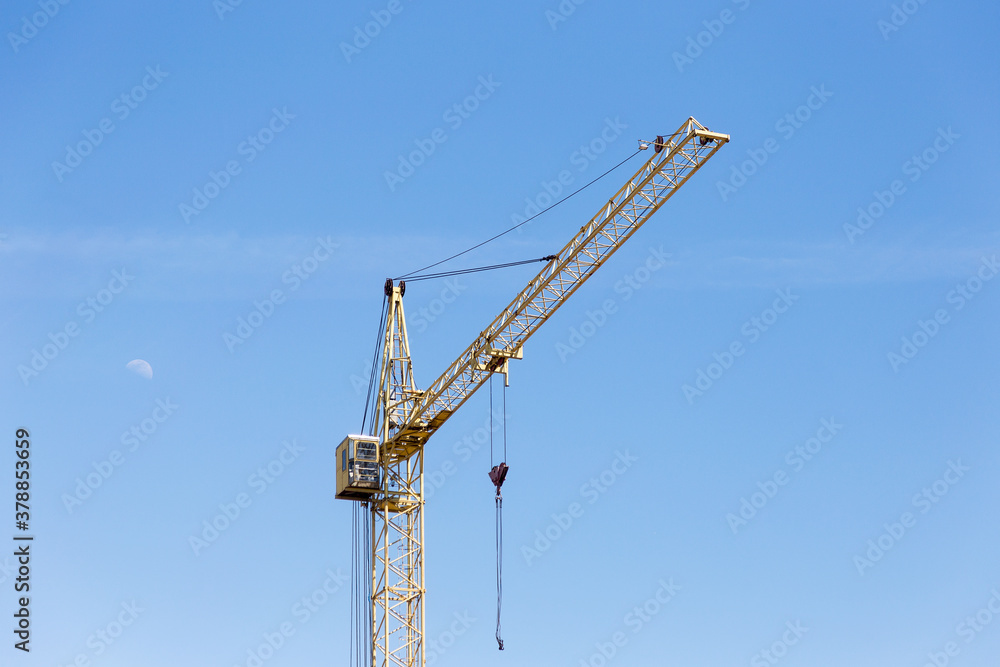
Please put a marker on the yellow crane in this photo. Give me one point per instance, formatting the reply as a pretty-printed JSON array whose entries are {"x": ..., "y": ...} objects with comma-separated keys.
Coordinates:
[{"x": 385, "y": 471}]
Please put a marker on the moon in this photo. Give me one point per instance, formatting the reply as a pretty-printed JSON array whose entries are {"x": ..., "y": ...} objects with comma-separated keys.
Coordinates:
[{"x": 140, "y": 367}]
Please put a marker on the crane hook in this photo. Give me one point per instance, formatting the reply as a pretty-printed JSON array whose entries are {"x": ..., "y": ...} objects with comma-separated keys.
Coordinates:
[{"x": 497, "y": 475}]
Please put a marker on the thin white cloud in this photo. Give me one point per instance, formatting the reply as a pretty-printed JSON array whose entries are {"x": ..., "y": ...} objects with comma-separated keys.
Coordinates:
[{"x": 227, "y": 266}]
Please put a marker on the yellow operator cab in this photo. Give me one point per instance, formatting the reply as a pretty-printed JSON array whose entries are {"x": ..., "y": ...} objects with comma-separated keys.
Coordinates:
[{"x": 357, "y": 467}]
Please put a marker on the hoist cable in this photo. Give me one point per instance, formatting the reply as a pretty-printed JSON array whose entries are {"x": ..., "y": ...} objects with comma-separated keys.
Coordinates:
[
  {"x": 507, "y": 231},
  {"x": 491, "y": 420},
  {"x": 498, "y": 473},
  {"x": 499, "y": 543}
]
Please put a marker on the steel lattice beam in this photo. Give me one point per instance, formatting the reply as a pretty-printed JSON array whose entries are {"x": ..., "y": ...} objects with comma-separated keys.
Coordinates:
[{"x": 682, "y": 154}]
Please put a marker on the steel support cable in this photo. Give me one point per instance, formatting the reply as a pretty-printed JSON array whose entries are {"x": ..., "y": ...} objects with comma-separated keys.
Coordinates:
[
  {"x": 507, "y": 231},
  {"x": 366, "y": 634},
  {"x": 357, "y": 627},
  {"x": 459, "y": 272},
  {"x": 361, "y": 532},
  {"x": 361, "y": 571},
  {"x": 354, "y": 580},
  {"x": 371, "y": 377}
]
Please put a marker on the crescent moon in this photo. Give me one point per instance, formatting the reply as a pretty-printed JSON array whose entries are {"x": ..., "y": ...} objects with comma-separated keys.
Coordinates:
[{"x": 141, "y": 368}]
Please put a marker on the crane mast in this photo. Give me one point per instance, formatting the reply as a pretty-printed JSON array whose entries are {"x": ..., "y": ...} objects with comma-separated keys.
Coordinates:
[{"x": 407, "y": 417}]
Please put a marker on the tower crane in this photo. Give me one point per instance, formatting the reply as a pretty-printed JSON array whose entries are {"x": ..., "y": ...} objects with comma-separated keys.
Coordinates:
[{"x": 384, "y": 470}]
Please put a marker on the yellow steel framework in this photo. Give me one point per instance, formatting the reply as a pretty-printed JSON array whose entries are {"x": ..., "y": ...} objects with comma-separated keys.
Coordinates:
[
  {"x": 407, "y": 417},
  {"x": 397, "y": 511}
]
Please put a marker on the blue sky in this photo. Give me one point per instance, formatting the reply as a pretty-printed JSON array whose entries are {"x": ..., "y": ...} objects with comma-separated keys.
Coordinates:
[{"x": 169, "y": 171}]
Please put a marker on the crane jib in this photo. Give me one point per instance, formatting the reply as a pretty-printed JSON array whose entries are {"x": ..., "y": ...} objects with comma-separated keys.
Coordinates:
[{"x": 656, "y": 180}]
